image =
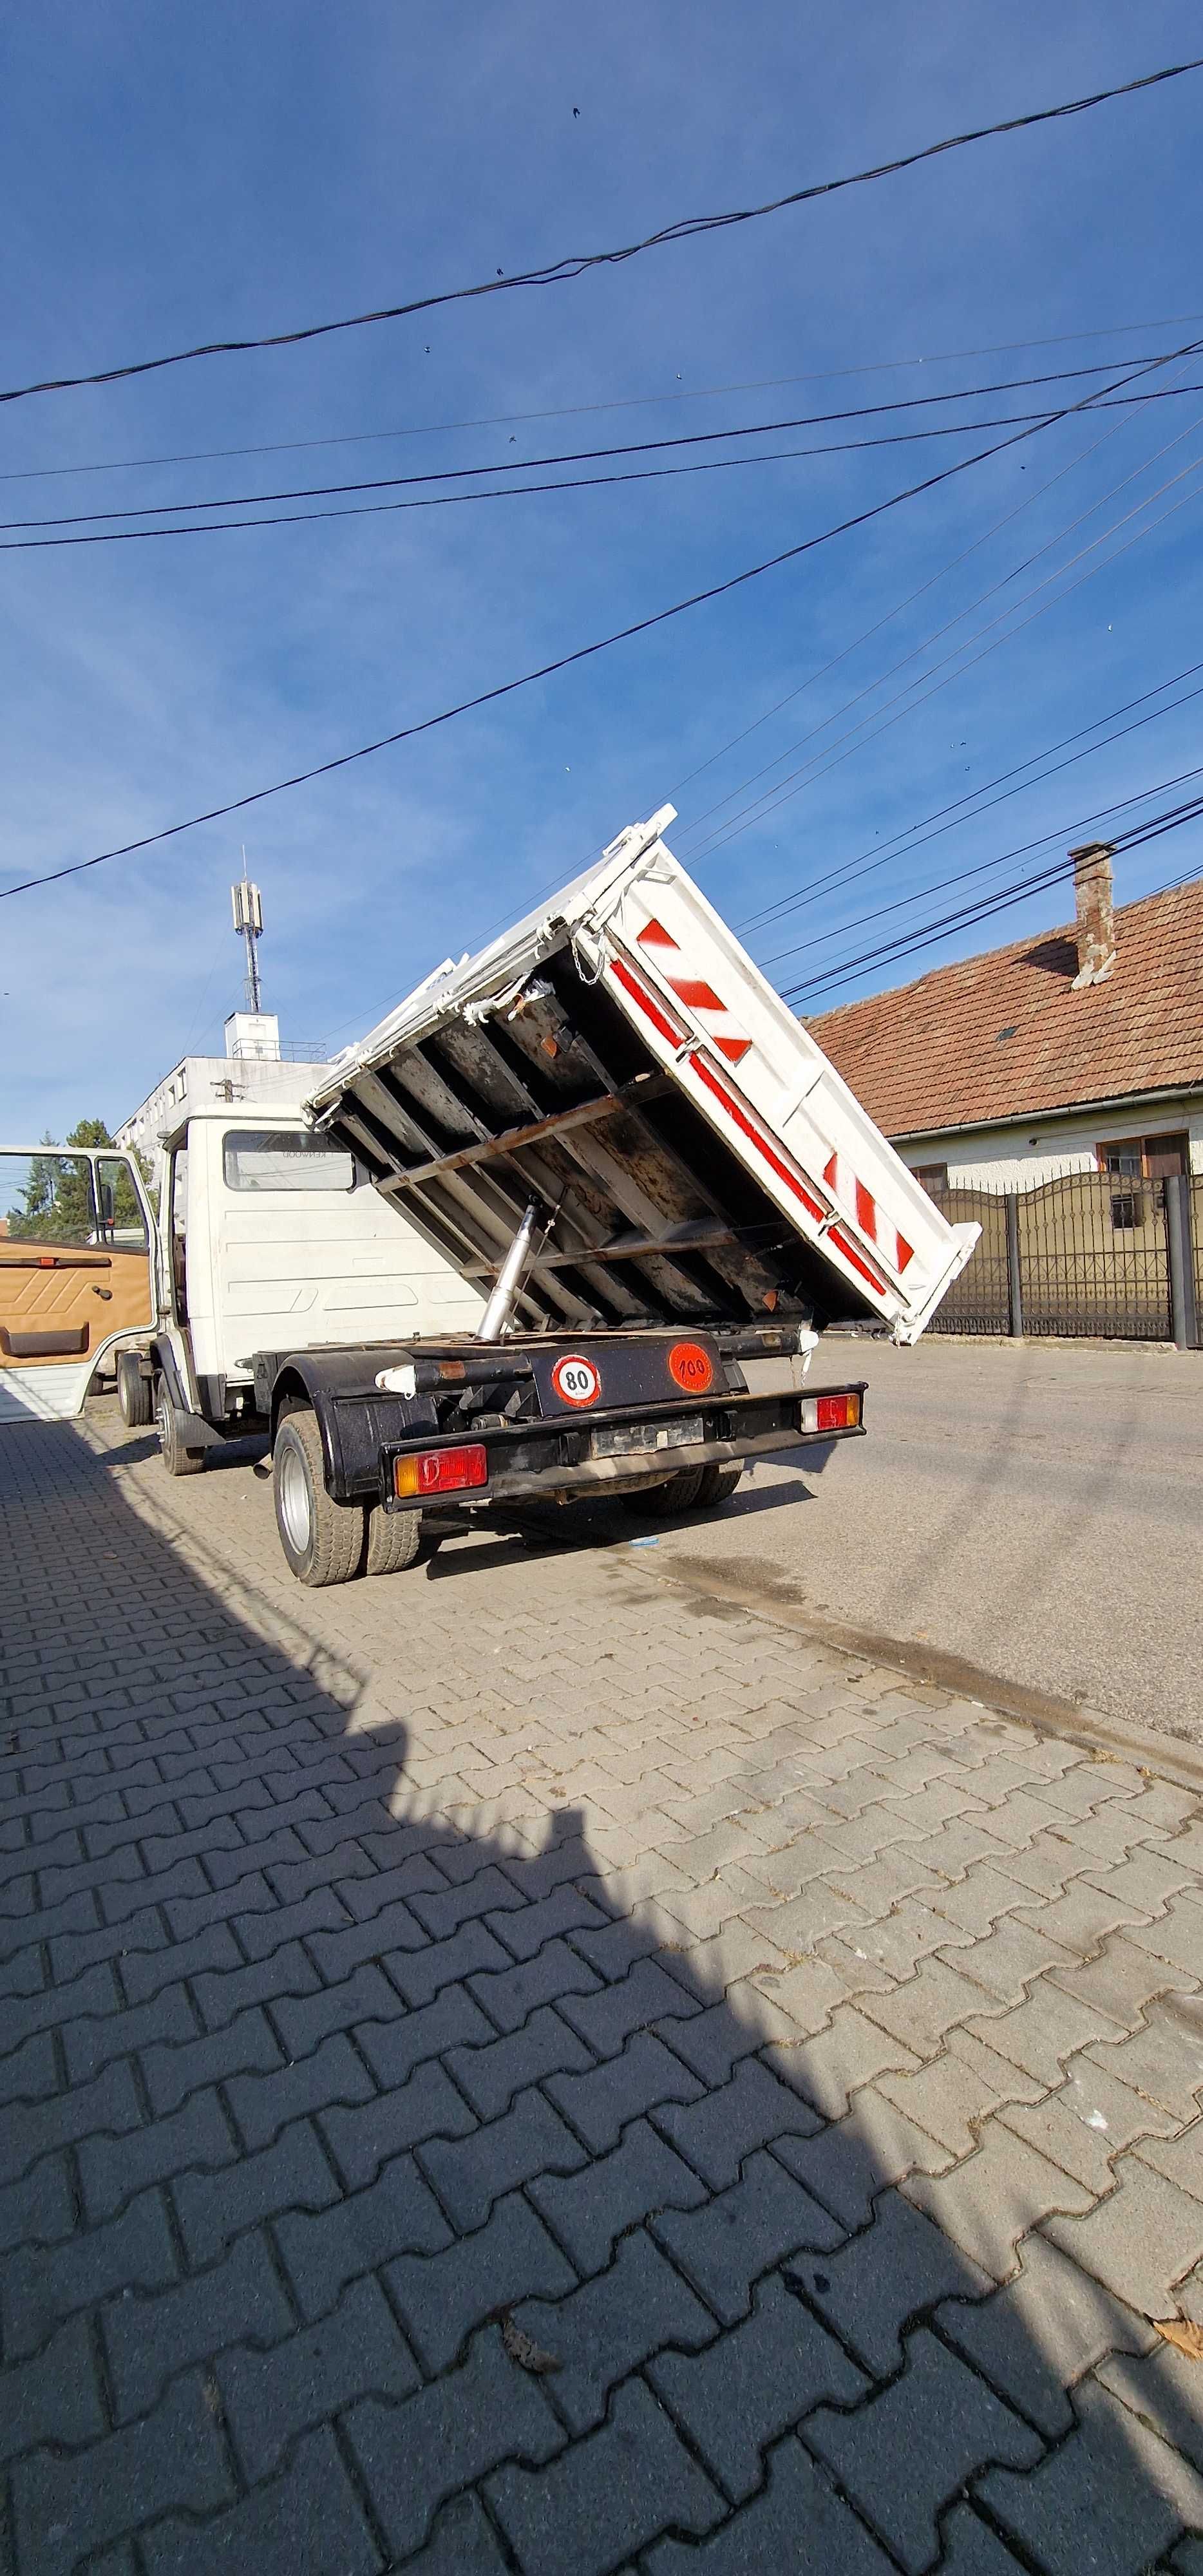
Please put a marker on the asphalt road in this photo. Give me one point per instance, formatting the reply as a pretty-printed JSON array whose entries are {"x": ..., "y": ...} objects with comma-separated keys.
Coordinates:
[{"x": 1035, "y": 1509}]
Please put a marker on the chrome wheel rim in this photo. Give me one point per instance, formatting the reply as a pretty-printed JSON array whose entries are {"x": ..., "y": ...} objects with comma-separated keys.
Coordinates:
[
  {"x": 296, "y": 1509},
  {"x": 163, "y": 1423}
]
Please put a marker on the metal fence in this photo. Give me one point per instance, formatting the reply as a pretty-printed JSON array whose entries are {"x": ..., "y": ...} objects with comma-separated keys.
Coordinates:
[{"x": 1090, "y": 1254}]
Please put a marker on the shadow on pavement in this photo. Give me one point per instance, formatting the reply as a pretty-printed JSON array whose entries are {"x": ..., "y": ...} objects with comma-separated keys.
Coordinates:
[{"x": 390, "y": 2180}]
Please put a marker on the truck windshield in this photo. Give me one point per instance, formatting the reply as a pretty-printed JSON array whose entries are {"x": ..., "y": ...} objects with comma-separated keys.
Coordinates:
[{"x": 272, "y": 1159}]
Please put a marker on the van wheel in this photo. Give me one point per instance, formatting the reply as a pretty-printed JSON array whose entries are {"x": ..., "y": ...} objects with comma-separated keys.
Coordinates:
[
  {"x": 133, "y": 1392},
  {"x": 177, "y": 1460},
  {"x": 394, "y": 1540},
  {"x": 322, "y": 1539},
  {"x": 717, "y": 1486},
  {"x": 679, "y": 1494}
]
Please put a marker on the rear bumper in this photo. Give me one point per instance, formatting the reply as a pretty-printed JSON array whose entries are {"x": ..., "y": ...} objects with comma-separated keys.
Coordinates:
[{"x": 543, "y": 1464}]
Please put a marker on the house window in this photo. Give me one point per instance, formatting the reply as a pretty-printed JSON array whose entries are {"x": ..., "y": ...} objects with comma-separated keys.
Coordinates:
[
  {"x": 1140, "y": 1165},
  {"x": 934, "y": 1177}
]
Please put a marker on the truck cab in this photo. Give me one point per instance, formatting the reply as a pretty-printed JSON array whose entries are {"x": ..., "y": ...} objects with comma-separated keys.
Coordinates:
[{"x": 273, "y": 1236}]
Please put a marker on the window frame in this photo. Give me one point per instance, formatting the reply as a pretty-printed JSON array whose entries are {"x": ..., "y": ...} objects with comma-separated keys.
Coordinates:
[{"x": 281, "y": 1140}]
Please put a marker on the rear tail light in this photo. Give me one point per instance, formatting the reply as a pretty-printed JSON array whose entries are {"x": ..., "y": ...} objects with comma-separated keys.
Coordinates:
[
  {"x": 830, "y": 1412},
  {"x": 440, "y": 1471}
]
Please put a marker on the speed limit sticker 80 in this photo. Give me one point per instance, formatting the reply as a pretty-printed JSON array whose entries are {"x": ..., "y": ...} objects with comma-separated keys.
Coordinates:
[{"x": 576, "y": 1380}]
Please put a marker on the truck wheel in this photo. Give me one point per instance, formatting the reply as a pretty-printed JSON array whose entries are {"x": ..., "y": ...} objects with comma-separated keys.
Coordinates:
[
  {"x": 322, "y": 1539},
  {"x": 717, "y": 1486},
  {"x": 679, "y": 1494},
  {"x": 133, "y": 1392},
  {"x": 176, "y": 1459},
  {"x": 394, "y": 1540}
]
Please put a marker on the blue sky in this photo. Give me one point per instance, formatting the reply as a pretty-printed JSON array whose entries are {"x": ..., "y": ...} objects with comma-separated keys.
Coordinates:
[{"x": 168, "y": 175}]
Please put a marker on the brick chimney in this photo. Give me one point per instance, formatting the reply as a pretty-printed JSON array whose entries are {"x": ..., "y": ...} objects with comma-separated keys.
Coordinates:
[{"x": 1096, "y": 918}]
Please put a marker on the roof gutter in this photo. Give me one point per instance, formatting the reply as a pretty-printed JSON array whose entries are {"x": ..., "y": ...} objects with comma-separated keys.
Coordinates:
[{"x": 1066, "y": 1109}]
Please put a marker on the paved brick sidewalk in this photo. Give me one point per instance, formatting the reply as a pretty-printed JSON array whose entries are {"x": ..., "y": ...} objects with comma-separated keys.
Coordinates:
[{"x": 408, "y": 1988}]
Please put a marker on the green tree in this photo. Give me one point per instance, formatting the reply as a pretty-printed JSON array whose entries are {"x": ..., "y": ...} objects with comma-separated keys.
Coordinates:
[{"x": 57, "y": 1200}]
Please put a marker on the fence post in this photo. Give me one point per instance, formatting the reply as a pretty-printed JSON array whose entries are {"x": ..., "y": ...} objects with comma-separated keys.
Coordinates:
[
  {"x": 1014, "y": 1283},
  {"x": 1184, "y": 1324}
]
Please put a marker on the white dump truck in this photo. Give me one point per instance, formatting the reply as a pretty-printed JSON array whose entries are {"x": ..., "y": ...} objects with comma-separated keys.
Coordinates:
[{"x": 569, "y": 1223}]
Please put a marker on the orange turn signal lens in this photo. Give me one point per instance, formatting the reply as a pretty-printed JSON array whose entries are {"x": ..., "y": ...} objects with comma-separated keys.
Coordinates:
[{"x": 440, "y": 1471}]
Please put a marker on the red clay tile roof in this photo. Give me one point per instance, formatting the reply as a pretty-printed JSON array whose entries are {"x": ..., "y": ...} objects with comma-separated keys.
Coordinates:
[{"x": 932, "y": 1055}]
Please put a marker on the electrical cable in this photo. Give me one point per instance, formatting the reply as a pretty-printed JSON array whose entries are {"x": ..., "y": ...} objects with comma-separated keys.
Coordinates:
[
  {"x": 916, "y": 836},
  {"x": 982, "y": 908},
  {"x": 960, "y": 876},
  {"x": 603, "y": 455},
  {"x": 575, "y": 265},
  {"x": 562, "y": 662},
  {"x": 820, "y": 763},
  {"x": 622, "y": 402}
]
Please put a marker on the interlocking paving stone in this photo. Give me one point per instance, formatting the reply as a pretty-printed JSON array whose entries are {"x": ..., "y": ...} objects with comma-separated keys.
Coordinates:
[
  {"x": 309, "y": 2520},
  {"x": 639, "y": 2178},
  {"x": 1139, "y": 2241},
  {"x": 1034, "y": 2338},
  {"x": 301, "y": 1881},
  {"x": 443, "y": 2294},
  {"x": 612, "y": 2325},
  {"x": 752, "y": 2384},
  {"x": 212, "y": 2208},
  {"x": 147, "y": 2340},
  {"x": 799, "y": 2523},
  {"x": 64, "y": 2505},
  {"x": 358, "y": 2350},
  {"x": 613, "y": 2492},
  {"x": 412, "y": 2456},
  {"x": 1088, "y": 2122},
  {"x": 905, "y": 2454},
  {"x": 1112, "y": 2478},
  {"x": 723, "y": 2247}
]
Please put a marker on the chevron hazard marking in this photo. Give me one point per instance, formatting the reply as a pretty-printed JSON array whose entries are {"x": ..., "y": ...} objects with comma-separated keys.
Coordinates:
[
  {"x": 871, "y": 1219},
  {"x": 697, "y": 995}
]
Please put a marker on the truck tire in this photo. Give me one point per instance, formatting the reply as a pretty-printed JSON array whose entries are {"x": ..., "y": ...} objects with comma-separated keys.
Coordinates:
[
  {"x": 394, "y": 1540},
  {"x": 678, "y": 1494},
  {"x": 322, "y": 1540},
  {"x": 717, "y": 1486},
  {"x": 134, "y": 1395},
  {"x": 177, "y": 1460}
]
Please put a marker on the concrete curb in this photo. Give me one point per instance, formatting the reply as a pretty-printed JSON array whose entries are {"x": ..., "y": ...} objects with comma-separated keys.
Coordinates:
[{"x": 1161, "y": 1755}]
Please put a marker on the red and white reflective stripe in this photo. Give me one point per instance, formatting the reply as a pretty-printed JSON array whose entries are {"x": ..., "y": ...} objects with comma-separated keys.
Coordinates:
[
  {"x": 792, "y": 1180},
  {"x": 697, "y": 995},
  {"x": 871, "y": 1219}
]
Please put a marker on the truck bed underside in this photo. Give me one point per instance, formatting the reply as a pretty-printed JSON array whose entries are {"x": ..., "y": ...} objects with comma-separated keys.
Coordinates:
[{"x": 559, "y": 1100}]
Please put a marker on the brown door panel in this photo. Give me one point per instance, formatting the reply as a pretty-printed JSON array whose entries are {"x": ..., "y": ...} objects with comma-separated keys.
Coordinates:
[{"x": 60, "y": 1304}]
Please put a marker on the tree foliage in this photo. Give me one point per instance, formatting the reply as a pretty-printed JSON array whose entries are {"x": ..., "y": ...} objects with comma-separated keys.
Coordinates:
[{"x": 57, "y": 1203}]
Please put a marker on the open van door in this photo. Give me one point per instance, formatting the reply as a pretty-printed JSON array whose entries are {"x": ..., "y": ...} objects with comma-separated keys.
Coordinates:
[{"x": 75, "y": 1273}]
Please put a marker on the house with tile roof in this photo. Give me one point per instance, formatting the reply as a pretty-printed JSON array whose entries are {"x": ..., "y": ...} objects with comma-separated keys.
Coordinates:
[{"x": 1078, "y": 1050}]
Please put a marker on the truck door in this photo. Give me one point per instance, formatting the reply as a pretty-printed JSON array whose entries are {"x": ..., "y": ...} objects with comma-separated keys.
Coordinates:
[{"x": 74, "y": 1267}]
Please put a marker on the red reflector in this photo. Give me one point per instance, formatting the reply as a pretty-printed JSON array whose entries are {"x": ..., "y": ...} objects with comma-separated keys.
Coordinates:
[
  {"x": 441, "y": 1471},
  {"x": 838, "y": 1412}
]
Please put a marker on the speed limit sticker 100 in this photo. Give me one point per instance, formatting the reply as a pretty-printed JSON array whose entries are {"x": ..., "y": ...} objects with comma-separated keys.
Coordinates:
[{"x": 576, "y": 1380}]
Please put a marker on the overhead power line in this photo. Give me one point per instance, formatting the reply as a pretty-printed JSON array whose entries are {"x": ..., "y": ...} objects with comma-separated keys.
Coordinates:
[
  {"x": 905, "y": 701},
  {"x": 619, "y": 402},
  {"x": 983, "y": 803},
  {"x": 645, "y": 447},
  {"x": 591, "y": 455},
  {"x": 1152, "y": 829},
  {"x": 563, "y": 661},
  {"x": 577, "y": 264}
]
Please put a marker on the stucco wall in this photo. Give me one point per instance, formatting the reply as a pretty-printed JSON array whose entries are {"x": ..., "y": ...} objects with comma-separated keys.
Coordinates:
[{"x": 1009, "y": 1158}]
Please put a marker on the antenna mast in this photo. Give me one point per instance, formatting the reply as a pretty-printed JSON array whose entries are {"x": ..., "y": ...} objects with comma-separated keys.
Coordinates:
[{"x": 248, "y": 923}]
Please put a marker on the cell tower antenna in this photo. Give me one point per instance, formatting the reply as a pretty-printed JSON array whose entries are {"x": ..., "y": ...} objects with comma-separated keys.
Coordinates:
[{"x": 248, "y": 922}]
